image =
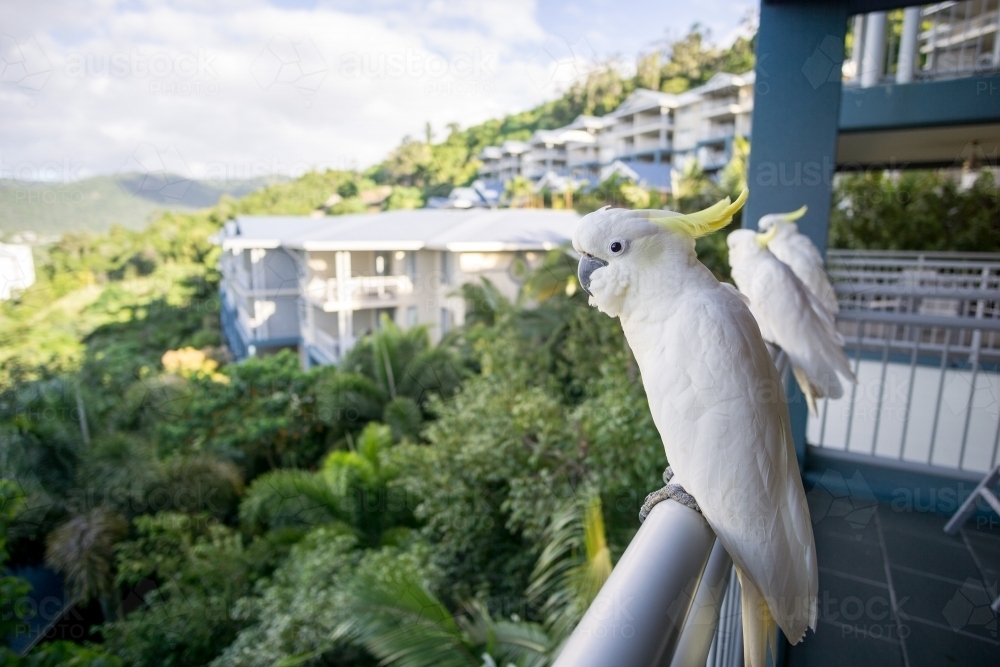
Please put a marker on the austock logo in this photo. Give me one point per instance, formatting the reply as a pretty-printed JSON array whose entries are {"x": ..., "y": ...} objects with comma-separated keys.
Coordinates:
[
  {"x": 851, "y": 500},
  {"x": 970, "y": 607},
  {"x": 294, "y": 61},
  {"x": 24, "y": 64}
]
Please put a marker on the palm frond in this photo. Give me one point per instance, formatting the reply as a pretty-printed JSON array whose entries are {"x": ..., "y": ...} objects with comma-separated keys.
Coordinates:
[
  {"x": 82, "y": 550},
  {"x": 401, "y": 623},
  {"x": 349, "y": 398},
  {"x": 573, "y": 566},
  {"x": 291, "y": 498},
  {"x": 404, "y": 418},
  {"x": 507, "y": 642}
]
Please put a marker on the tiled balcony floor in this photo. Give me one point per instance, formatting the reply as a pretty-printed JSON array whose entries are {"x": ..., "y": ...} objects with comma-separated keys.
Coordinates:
[{"x": 895, "y": 590}]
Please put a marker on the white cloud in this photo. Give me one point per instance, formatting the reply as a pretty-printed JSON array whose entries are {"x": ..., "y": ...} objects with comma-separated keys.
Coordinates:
[
  {"x": 239, "y": 88},
  {"x": 184, "y": 76}
]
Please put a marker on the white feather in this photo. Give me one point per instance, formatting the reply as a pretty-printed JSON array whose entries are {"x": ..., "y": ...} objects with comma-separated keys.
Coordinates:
[
  {"x": 799, "y": 253},
  {"x": 790, "y": 317},
  {"x": 718, "y": 404}
]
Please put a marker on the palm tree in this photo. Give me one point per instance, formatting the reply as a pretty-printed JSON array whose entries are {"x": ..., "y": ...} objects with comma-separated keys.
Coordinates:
[
  {"x": 518, "y": 191},
  {"x": 402, "y": 623},
  {"x": 390, "y": 375},
  {"x": 82, "y": 550},
  {"x": 341, "y": 492},
  {"x": 573, "y": 566}
]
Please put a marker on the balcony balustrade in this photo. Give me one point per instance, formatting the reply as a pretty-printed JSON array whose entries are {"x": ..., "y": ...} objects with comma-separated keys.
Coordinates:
[
  {"x": 357, "y": 290},
  {"x": 924, "y": 333}
]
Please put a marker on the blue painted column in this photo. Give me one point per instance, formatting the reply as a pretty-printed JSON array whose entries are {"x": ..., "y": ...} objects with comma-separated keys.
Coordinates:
[{"x": 800, "y": 51}]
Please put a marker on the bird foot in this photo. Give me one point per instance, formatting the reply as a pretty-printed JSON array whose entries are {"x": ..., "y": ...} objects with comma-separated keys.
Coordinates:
[{"x": 675, "y": 491}]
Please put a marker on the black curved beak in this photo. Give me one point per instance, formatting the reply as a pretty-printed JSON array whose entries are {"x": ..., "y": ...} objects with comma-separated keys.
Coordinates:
[{"x": 588, "y": 264}]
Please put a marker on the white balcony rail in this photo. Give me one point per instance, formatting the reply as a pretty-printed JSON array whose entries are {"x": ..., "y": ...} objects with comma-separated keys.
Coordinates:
[
  {"x": 327, "y": 344},
  {"x": 720, "y": 132},
  {"x": 660, "y": 606},
  {"x": 923, "y": 331},
  {"x": 642, "y": 146},
  {"x": 642, "y": 125},
  {"x": 358, "y": 289},
  {"x": 720, "y": 106}
]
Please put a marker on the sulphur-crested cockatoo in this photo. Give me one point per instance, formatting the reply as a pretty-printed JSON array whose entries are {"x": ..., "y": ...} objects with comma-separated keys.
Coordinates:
[
  {"x": 790, "y": 317},
  {"x": 796, "y": 250},
  {"x": 716, "y": 400}
]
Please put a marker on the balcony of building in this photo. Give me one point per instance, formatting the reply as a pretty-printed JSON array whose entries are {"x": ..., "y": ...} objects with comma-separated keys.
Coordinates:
[
  {"x": 641, "y": 144},
  {"x": 355, "y": 280},
  {"x": 642, "y": 123},
  {"x": 357, "y": 292},
  {"x": 720, "y": 107}
]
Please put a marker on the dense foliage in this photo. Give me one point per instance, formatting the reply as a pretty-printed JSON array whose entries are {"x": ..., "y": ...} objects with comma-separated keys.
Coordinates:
[{"x": 920, "y": 210}]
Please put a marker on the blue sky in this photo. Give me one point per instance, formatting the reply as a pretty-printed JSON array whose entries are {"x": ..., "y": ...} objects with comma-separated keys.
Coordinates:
[{"x": 237, "y": 88}]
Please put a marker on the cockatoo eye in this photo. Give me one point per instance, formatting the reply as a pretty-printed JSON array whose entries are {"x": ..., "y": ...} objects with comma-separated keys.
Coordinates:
[{"x": 617, "y": 247}]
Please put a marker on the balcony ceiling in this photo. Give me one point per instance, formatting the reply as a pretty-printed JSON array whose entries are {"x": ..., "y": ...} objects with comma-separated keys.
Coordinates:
[
  {"x": 918, "y": 147},
  {"x": 921, "y": 124}
]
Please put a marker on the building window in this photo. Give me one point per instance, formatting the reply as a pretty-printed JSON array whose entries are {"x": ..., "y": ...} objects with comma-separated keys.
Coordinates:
[
  {"x": 411, "y": 266},
  {"x": 411, "y": 316},
  {"x": 446, "y": 268},
  {"x": 383, "y": 263},
  {"x": 445, "y": 321}
]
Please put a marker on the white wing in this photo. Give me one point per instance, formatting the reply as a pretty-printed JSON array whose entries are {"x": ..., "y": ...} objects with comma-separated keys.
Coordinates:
[
  {"x": 798, "y": 252},
  {"x": 719, "y": 406},
  {"x": 798, "y": 323}
]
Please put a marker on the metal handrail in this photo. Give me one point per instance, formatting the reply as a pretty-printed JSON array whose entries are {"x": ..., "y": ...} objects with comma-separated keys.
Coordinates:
[{"x": 655, "y": 603}]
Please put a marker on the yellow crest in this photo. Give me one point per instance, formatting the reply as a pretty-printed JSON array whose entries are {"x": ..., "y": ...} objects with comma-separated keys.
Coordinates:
[
  {"x": 709, "y": 220},
  {"x": 765, "y": 238},
  {"x": 795, "y": 215}
]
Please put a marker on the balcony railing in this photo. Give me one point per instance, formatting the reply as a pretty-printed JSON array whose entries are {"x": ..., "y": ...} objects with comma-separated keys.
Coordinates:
[
  {"x": 939, "y": 41},
  {"x": 661, "y": 604},
  {"x": 327, "y": 345},
  {"x": 643, "y": 125},
  {"x": 359, "y": 289},
  {"x": 924, "y": 334},
  {"x": 728, "y": 105},
  {"x": 639, "y": 146},
  {"x": 719, "y": 132}
]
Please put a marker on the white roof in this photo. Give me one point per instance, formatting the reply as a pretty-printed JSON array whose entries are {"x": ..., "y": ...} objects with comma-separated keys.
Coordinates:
[
  {"x": 472, "y": 230},
  {"x": 642, "y": 99}
]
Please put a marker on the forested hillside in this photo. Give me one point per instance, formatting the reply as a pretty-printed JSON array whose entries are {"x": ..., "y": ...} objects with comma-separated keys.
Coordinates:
[
  {"x": 94, "y": 204},
  {"x": 436, "y": 167}
]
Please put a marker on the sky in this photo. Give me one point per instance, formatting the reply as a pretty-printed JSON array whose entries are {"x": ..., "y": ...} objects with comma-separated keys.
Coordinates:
[{"x": 235, "y": 89}]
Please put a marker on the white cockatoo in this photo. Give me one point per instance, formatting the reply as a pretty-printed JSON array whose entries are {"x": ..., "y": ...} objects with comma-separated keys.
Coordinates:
[
  {"x": 790, "y": 316},
  {"x": 796, "y": 250},
  {"x": 716, "y": 400}
]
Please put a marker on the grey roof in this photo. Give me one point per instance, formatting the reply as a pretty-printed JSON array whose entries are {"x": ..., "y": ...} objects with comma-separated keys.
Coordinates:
[{"x": 472, "y": 230}]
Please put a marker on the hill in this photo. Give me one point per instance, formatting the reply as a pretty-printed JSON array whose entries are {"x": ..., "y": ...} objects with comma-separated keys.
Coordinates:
[{"x": 94, "y": 204}]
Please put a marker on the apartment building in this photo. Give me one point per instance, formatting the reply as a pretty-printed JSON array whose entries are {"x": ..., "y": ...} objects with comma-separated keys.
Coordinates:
[
  {"x": 648, "y": 128},
  {"x": 317, "y": 285}
]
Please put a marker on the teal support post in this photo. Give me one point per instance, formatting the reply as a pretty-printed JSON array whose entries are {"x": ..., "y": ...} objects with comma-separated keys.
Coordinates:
[{"x": 800, "y": 52}]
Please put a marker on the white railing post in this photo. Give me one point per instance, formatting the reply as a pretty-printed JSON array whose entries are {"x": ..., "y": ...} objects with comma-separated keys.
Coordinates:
[
  {"x": 873, "y": 61},
  {"x": 908, "y": 45}
]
